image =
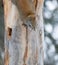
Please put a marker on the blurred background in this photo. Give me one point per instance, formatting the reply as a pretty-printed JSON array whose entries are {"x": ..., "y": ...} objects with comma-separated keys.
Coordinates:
[{"x": 50, "y": 15}]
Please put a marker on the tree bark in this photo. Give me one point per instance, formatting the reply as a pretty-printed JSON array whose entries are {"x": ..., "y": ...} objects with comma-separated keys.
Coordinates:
[{"x": 23, "y": 45}]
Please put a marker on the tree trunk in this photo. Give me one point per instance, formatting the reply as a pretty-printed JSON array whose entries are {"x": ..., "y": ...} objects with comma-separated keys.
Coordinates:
[{"x": 23, "y": 45}]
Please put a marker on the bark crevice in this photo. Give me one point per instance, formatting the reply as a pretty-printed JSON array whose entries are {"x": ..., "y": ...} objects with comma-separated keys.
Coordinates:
[{"x": 9, "y": 32}]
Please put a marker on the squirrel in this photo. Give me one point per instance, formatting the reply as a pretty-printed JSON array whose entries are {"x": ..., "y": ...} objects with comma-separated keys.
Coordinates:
[{"x": 26, "y": 10}]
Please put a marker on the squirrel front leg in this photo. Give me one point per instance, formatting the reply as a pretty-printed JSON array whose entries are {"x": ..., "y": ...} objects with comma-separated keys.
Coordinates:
[{"x": 30, "y": 21}]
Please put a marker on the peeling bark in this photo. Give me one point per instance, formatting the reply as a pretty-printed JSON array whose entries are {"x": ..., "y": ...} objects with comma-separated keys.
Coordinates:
[
  {"x": 6, "y": 57},
  {"x": 23, "y": 45}
]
